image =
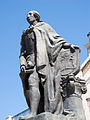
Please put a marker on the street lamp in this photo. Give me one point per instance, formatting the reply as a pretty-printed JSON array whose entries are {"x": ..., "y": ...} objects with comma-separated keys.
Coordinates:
[{"x": 88, "y": 35}]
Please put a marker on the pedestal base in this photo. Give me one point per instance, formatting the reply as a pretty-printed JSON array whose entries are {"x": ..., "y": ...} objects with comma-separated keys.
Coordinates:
[{"x": 50, "y": 116}]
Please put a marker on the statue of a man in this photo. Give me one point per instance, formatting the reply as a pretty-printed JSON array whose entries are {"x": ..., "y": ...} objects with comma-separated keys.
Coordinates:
[{"x": 40, "y": 46}]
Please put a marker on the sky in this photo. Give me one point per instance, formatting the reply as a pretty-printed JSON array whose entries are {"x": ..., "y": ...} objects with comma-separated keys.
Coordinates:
[{"x": 69, "y": 18}]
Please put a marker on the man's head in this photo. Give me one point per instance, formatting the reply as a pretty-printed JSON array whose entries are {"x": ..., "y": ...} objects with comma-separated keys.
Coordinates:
[{"x": 33, "y": 16}]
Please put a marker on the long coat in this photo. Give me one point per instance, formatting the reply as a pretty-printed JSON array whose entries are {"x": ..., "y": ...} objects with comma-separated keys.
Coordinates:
[{"x": 47, "y": 44}]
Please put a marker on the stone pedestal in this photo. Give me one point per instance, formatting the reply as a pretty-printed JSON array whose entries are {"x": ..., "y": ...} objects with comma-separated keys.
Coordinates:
[{"x": 50, "y": 116}]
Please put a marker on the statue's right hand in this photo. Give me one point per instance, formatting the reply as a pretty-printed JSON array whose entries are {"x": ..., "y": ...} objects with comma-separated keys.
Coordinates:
[{"x": 23, "y": 69}]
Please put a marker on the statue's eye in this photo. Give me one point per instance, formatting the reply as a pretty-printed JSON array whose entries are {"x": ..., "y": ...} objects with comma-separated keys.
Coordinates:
[{"x": 30, "y": 13}]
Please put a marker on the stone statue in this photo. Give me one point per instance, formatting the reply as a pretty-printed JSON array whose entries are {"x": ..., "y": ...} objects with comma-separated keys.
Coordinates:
[{"x": 46, "y": 68}]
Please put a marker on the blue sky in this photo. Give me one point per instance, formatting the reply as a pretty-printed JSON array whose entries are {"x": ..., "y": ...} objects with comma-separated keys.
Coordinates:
[{"x": 70, "y": 19}]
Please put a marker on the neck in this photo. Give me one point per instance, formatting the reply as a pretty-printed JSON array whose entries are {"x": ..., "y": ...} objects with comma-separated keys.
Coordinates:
[{"x": 34, "y": 23}]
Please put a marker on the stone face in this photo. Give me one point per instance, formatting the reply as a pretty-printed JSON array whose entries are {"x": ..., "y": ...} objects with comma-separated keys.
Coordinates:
[{"x": 50, "y": 116}]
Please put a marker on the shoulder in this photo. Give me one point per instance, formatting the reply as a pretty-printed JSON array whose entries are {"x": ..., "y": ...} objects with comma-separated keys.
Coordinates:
[
  {"x": 25, "y": 32},
  {"x": 44, "y": 25},
  {"x": 48, "y": 28}
]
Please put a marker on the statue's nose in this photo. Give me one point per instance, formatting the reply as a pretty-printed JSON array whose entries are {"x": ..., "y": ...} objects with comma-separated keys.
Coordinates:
[{"x": 27, "y": 16}]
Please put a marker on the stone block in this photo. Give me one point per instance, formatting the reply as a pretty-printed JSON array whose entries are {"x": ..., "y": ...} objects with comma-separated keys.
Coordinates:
[{"x": 50, "y": 116}]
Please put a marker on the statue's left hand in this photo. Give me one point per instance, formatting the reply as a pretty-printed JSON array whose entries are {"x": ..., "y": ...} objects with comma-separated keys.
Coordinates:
[
  {"x": 74, "y": 46},
  {"x": 23, "y": 69},
  {"x": 67, "y": 45}
]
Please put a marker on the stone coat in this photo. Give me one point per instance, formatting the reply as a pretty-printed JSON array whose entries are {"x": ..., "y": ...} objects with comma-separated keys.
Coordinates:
[{"x": 44, "y": 43}]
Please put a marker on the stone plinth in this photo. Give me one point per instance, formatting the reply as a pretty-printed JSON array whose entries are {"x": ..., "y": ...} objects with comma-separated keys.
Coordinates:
[{"x": 49, "y": 116}]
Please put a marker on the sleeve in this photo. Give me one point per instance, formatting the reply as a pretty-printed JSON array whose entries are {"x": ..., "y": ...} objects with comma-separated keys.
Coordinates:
[{"x": 22, "y": 53}]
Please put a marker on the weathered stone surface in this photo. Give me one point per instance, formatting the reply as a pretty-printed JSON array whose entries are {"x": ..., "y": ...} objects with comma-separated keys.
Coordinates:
[
  {"x": 48, "y": 69},
  {"x": 50, "y": 116}
]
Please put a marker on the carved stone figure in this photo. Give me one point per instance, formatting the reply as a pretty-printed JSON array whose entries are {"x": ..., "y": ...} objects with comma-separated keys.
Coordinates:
[{"x": 46, "y": 61}]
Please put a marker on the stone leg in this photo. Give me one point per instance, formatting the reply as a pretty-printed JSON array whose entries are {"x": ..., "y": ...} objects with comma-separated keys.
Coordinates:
[
  {"x": 32, "y": 95},
  {"x": 26, "y": 94}
]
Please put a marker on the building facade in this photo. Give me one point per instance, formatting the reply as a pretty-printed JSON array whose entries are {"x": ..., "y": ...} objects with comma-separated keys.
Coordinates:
[{"x": 85, "y": 73}]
